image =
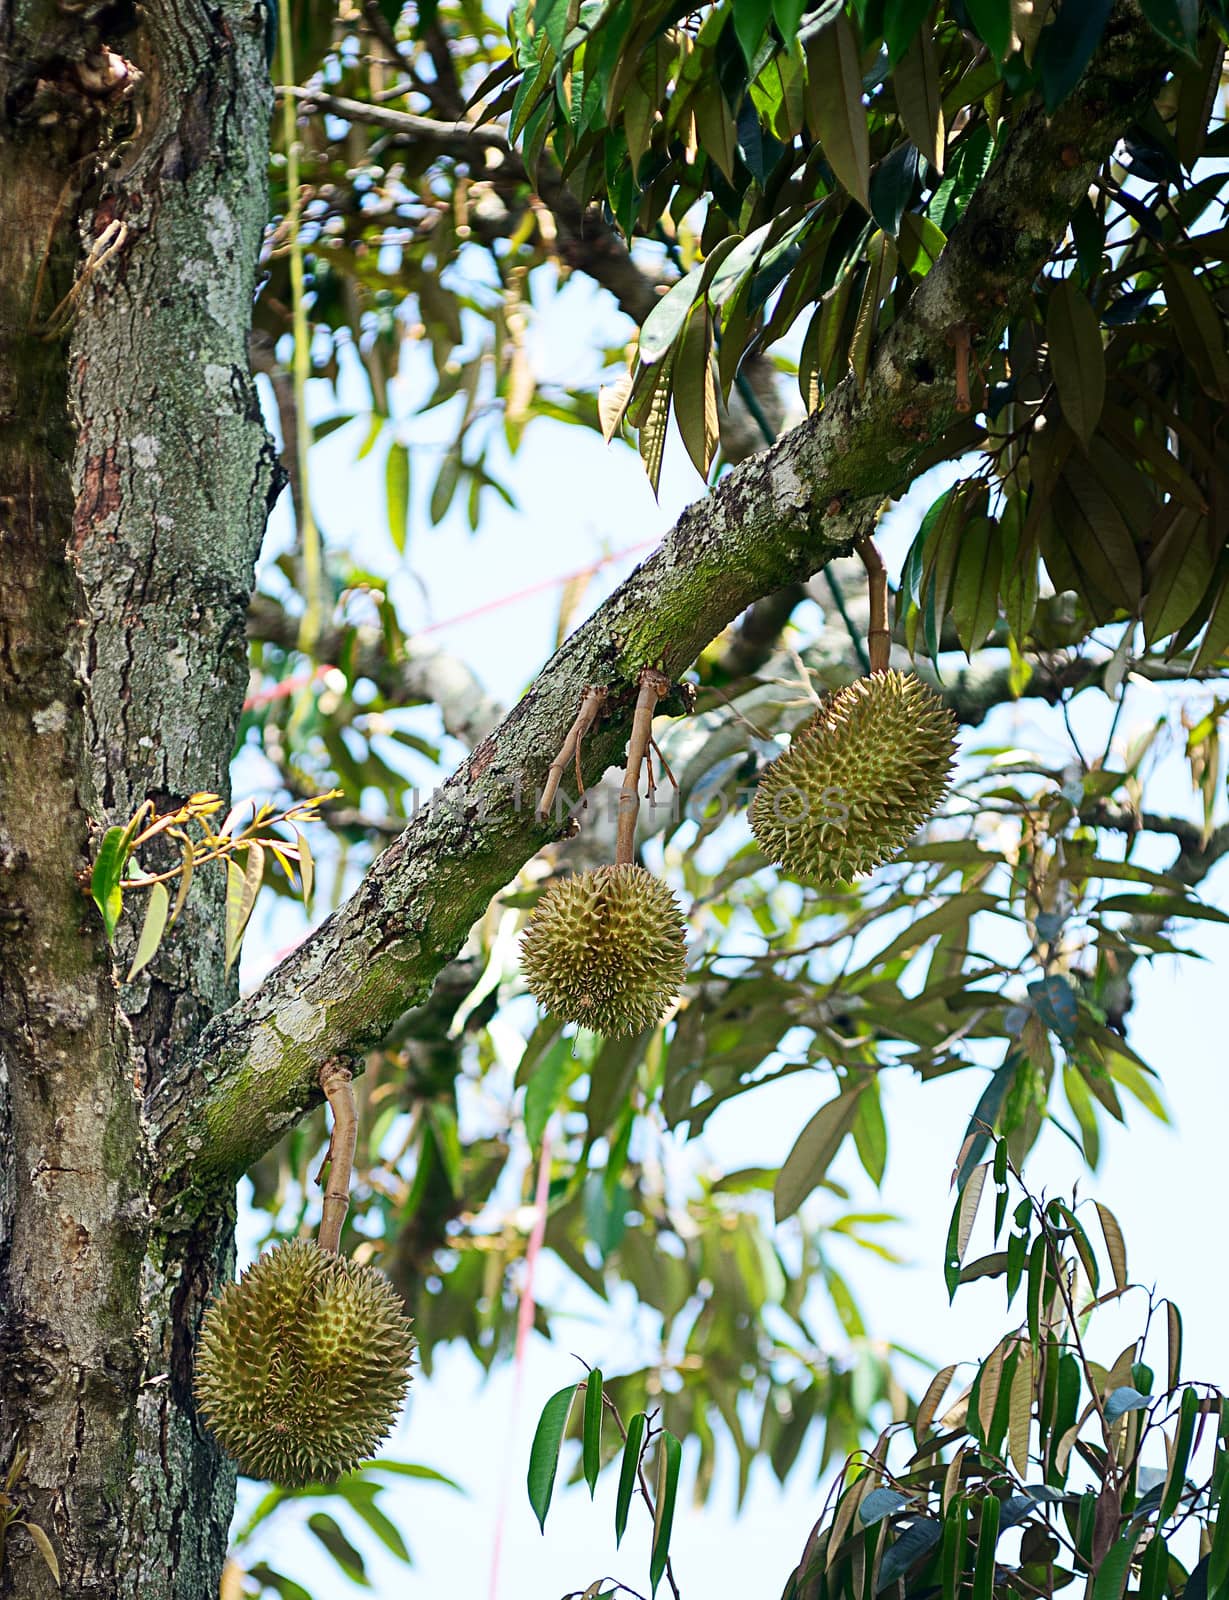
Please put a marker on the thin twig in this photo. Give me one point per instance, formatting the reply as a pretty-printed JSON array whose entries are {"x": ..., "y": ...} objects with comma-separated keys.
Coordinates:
[
  {"x": 337, "y": 1081},
  {"x": 653, "y": 686},
  {"x": 592, "y": 703}
]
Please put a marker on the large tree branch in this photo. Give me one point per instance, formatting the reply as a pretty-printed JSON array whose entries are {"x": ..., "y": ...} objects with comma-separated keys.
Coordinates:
[{"x": 775, "y": 519}]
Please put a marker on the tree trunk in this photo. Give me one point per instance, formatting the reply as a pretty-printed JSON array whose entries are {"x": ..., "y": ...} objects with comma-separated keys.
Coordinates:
[{"x": 135, "y": 477}]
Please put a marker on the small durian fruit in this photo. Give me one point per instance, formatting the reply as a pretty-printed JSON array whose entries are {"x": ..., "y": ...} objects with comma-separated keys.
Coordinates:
[
  {"x": 605, "y": 948},
  {"x": 303, "y": 1364},
  {"x": 857, "y": 781}
]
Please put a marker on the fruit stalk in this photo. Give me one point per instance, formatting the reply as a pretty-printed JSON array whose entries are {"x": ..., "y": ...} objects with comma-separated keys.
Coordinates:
[
  {"x": 337, "y": 1082},
  {"x": 878, "y": 637},
  {"x": 653, "y": 686}
]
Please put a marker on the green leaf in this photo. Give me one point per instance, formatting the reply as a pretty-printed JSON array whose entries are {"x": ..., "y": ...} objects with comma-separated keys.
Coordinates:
[
  {"x": 906, "y": 1549},
  {"x": 1199, "y": 326},
  {"x": 788, "y": 14},
  {"x": 870, "y": 1134},
  {"x": 1122, "y": 1400},
  {"x": 385, "y": 1530},
  {"x": 919, "y": 98},
  {"x": 1177, "y": 22},
  {"x": 152, "y": 929},
  {"x": 339, "y": 1547},
  {"x": 901, "y": 20},
  {"x": 397, "y": 487},
  {"x": 242, "y": 886},
  {"x": 805, "y": 1166},
  {"x": 975, "y": 582},
  {"x": 592, "y": 1432},
  {"x": 1112, "y": 1574},
  {"x": 664, "y": 323},
  {"x": 1066, "y": 47},
  {"x": 1115, "y": 1245},
  {"x": 881, "y": 269},
  {"x": 1076, "y": 358},
  {"x": 992, "y": 20},
  {"x": 285, "y": 1587},
  {"x": 964, "y": 1214},
  {"x": 750, "y": 20},
  {"x": 987, "y": 1539},
  {"x": 669, "y": 1460},
  {"x": 1175, "y": 1482},
  {"x": 834, "y": 106},
  {"x": 544, "y": 1089},
  {"x": 44, "y": 1547},
  {"x": 544, "y": 1452},
  {"x": 627, "y": 1472},
  {"x": 1162, "y": 905},
  {"x": 695, "y": 391},
  {"x": 307, "y": 870},
  {"x": 105, "y": 880},
  {"x": 920, "y": 242}
]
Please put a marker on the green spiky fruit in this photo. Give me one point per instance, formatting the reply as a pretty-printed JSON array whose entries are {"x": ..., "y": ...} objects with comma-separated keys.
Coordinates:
[
  {"x": 605, "y": 948},
  {"x": 303, "y": 1364},
  {"x": 857, "y": 781}
]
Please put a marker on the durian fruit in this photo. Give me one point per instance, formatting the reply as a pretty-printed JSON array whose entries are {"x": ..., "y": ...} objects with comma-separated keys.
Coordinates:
[
  {"x": 303, "y": 1364},
  {"x": 857, "y": 781},
  {"x": 605, "y": 948}
]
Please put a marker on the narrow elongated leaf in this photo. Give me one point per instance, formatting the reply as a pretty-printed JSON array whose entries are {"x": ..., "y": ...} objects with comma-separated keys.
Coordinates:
[
  {"x": 44, "y": 1547},
  {"x": 1173, "y": 1321},
  {"x": 627, "y": 1472},
  {"x": 152, "y": 929},
  {"x": 1115, "y": 1245},
  {"x": 900, "y": 22},
  {"x": 543, "y": 1091},
  {"x": 591, "y": 1438},
  {"x": 920, "y": 99},
  {"x": 813, "y": 1151},
  {"x": 1112, "y": 1576},
  {"x": 544, "y": 1451},
  {"x": 1122, "y": 1400},
  {"x": 908, "y": 1547},
  {"x": 1199, "y": 326},
  {"x": 669, "y": 1460},
  {"x": 695, "y": 390},
  {"x": 929, "y": 1402},
  {"x": 1020, "y": 1412},
  {"x": 1175, "y": 1481},
  {"x": 1076, "y": 358},
  {"x": 1177, "y": 22},
  {"x": 988, "y": 1380},
  {"x": 185, "y": 880},
  {"x": 880, "y": 1503},
  {"x": 1066, "y": 45},
  {"x": 307, "y": 870},
  {"x": 992, "y": 20},
  {"x": 339, "y": 1547},
  {"x": 397, "y": 489},
  {"x": 242, "y": 886},
  {"x": 987, "y": 1539},
  {"x": 834, "y": 106},
  {"x": 975, "y": 583},
  {"x": 651, "y": 439},
  {"x": 664, "y": 323},
  {"x": 881, "y": 269},
  {"x": 104, "y": 881}
]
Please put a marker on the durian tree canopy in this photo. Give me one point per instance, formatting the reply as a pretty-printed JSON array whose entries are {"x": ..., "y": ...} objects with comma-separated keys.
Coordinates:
[{"x": 834, "y": 244}]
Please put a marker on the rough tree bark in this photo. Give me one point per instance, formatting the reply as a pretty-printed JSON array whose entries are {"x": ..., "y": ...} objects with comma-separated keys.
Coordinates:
[
  {"x": 134, "y": 480},
  {"x": 135, "y": 476}
]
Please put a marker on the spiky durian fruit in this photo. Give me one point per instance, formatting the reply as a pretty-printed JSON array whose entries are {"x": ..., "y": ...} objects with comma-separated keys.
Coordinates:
[
  {"x": 303, "y": 1364},
  {"x": 857, "y": 781},
  {"x": 605, "y": 948}
]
